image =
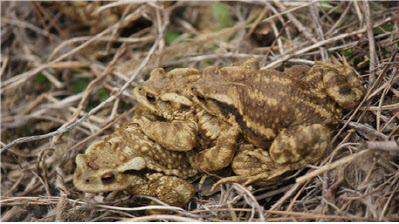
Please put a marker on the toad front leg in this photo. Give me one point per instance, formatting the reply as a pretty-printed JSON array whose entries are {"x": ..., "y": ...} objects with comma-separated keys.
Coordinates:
[
  {"x": 172, "y": 135},
  {"x": 182, "y": 136},
  {"x": 169, "y": 189}
]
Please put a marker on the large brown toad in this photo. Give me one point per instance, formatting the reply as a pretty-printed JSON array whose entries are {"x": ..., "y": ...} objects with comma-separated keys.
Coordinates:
[
  {"x": 288, "y": 118},
  {"x": 129, "y": 160}
]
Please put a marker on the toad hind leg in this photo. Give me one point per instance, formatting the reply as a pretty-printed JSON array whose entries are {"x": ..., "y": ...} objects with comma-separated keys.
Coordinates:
[
  {"x": 220, "y": 155},
  {"x": 292, "y": 149},
  {"x": 300, "y": 145},
  {"x": 254, "y": 165}
]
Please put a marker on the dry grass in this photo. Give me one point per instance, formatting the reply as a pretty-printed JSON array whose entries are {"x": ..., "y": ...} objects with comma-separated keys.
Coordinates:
[{"x": 62, "y": 85}]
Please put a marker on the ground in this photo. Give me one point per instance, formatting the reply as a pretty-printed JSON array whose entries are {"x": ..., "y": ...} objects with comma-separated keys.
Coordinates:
[{"x": 62, "y": 76}]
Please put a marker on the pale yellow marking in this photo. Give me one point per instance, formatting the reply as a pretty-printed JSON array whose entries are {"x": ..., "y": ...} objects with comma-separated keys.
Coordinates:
[
  {"x": 266, "y": 80},
  {"x": 137, "y": 163},
  {"x": 259, "y": 96},
  {"x": 318, "y": 108},
  {"x": 267, "y": 132},
  {"x": 312, "y": 74},
  {"x": 281, "y": 80}
]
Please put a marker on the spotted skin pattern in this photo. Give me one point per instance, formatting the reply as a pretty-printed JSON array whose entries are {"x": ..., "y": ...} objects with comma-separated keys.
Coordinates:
[{"x": 261, "y": 122}]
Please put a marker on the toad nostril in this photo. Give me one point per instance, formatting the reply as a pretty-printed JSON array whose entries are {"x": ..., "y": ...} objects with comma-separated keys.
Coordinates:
[
  {"x": 150, "y": 98},
  {"x": 201, "y": 98},
  {"x": 87, "y": 180}
]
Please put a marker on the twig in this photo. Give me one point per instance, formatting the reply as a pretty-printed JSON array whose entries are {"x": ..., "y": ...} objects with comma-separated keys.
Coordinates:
[
  {"x": 373, "y": 54},
  {"x": 98, "y": 107},
  {"x": 273, "y": 192},
  {"x": 36, "y": 5},
  {"x": 321, "y": 43},
  {"x": 61, "y": 205},
  {"x": 253, "y": 199},
  {"x": 4, "y": 63},
  {"x": 343, "y": 15},
  {"x": 159, "y": 217},
  {"x": 16, "y": 80},
  {"x": 256, "y": 23},
  {"x": 319, "y": 30},
  {"x": 101, "y": 130},
  {"x": 382, "y": 216},
  {"x": 280, "y": 17},
  {"x": 287, "y": 11},
  {"x": 274, "y": 43},
  {"x": 297, "y": 23},
  {"x": 367, "y": 130},
  {"x": 104, "y": 39},
  {"x": 285, "y": 197},
  {"x": 90, "y": 88},
  {"x": 331, "y": 166}
]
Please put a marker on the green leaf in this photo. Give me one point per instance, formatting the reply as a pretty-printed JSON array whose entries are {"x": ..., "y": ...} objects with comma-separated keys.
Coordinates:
[
  {"x": 104, "y": 94},
  {"x": 79, "y": 85},
  {"x": 348, "y": 52},
  {"x": 171, "y": 36},
  {"x": 388, "y": 27},
  {"x": 221, "y": 14},
  {"x": 40, "y": 78}
]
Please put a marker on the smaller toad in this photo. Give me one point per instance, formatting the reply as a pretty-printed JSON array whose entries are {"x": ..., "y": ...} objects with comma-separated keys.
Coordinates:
[{"x": 129, "y": 160}]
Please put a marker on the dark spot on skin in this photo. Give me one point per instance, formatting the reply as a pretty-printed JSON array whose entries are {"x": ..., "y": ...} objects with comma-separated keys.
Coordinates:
[
  {"x": 93, "y": 165},
  {"x": 226, "y": 109},
  {"x": 184, "y": 106},
  {"x": 141, "y": 173},
  {"x": 344, "y": 90}
]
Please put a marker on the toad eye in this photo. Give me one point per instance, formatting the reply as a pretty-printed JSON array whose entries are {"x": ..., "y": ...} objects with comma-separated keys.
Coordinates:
[
  {"x": 140, "y": 88},
  {"x": 108, "y": 178},
  {"x": 150, "y": 98}
]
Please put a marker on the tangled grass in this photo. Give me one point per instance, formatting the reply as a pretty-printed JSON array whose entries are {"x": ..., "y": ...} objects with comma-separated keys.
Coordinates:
[{"x": 67, "y": 72}]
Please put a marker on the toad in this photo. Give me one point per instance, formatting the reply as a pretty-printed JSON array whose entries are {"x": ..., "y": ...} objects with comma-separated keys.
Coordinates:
[
  {"x": 285, "y": 119},
  {"x": 128, "y": 160}
]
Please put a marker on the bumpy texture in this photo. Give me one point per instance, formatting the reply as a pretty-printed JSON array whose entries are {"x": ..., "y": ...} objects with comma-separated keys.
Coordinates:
[
  {"x": 288, "y": 117},
  {"x": 184, "y": 125},
  {"x": 261, "y": 122},
  {"x": 292, "y": 116},
  {"x": 122, "y": 161}
]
